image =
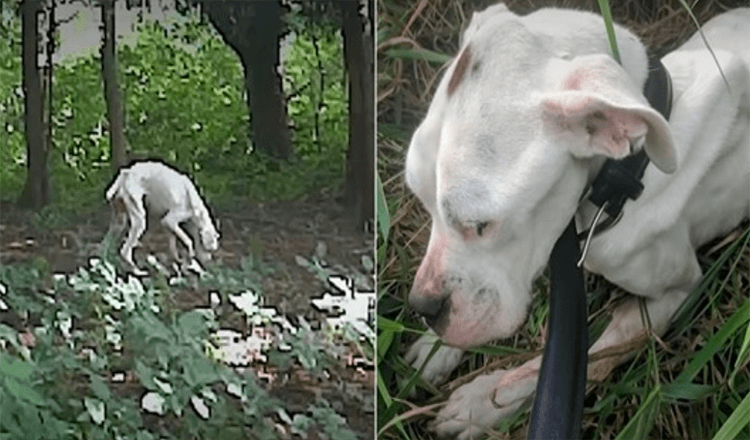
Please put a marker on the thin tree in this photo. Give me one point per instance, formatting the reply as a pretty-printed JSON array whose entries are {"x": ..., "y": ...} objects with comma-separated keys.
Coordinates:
[
  {"x": 360, "y": 164},
  {"x": 111, "y": 90},
  {"x": 35, "y": 192}
]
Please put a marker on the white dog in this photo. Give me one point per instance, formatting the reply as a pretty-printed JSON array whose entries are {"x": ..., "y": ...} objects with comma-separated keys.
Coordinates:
[
  {"x": 517, "y": 130},
  {"x": 158, "y": 190}
]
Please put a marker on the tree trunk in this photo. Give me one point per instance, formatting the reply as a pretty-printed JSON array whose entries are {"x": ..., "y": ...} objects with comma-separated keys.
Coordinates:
[
  {"x": 253, "y": 30},
  {"x": 35, "y": 193},
  {"x": 360, "y": 164},
  {"x": 111, "y": 91}
]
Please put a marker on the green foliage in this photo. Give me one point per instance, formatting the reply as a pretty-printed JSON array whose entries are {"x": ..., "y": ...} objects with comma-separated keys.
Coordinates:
[
  {"x": 333, "y": 424},
  {"x": 47, "y": 385},
  {"x": 303, "y": 76},
  {"x": 22, "y": 404},
  {"x": 13, "y": 151},
  {"x": 94, "y": 326},
  {"x": 183, "y": 92}
]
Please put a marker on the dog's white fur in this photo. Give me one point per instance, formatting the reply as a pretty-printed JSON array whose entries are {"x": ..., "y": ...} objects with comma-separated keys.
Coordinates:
[
  {"x": 157, "y": 190},
  {"x": 507, "y": 149}
]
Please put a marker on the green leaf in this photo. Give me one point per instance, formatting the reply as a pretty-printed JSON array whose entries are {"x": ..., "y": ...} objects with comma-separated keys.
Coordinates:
[
  {"x": 688, "y": 391},
  {"x": 742, "y": 357},
  {"x": 384, "y": 341},
  {"x": 146, "y": 375},
  {"x": 640, "y": 425},
  {"x": 418, "y": 54},
  {"x": 389, "y": 324},
  {"x": 384, "y": 217},
  {"x": 95, "y": 409},
  {"x": 16, "y": 368},
  {"x": 608, "y": 24},
  {"x": 739, "y": 419},
  {"x": 198, "y": 371},
  {"x": 99, "y": 388},
  {"x": 716, "y": 343},
  {"x": 24, "y": 392},
  {"x": 192, "y": 324}
]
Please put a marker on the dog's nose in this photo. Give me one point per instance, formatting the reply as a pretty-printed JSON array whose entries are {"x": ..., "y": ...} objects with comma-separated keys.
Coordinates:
[{"x": 429, "y": 306}]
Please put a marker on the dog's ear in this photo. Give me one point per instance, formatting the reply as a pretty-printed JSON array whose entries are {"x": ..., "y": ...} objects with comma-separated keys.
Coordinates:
[
  {"x": 480, "y": 18},
  {"x": 598, "y": 110}
]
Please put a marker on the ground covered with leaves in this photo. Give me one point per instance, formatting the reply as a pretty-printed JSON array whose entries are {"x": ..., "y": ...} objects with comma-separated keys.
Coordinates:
[
  {"x": 84, "y": 352},
  {"x": 686, "y": 384}
]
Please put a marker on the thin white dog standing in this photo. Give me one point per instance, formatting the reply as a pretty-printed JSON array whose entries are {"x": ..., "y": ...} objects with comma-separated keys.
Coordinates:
[
  {"x": 517, "y": 130},
  {"x": 154, "y": 189}
]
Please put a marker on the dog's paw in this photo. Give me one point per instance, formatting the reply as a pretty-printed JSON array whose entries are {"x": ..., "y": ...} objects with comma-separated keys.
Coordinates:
[
  {"x": 195, "y": 266},
  {"x": 445, "y": 360},
  {"x": 138, "y": 271},
  {"x": 478, "y": 406},
  {"x": 130, "y": 267}
]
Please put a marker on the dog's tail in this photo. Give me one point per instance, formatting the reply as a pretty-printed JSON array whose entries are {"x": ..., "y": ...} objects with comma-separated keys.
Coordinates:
[{"x": 116, "y": 185}]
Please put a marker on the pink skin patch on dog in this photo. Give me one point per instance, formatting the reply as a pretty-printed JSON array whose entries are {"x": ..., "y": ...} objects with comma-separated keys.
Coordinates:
[
  {"x": 468, "y": 326},
  {"x": 429, "y": 278},
  {"x": 614, "y": 129},
  {"x": 458, "y": 73},
  {"x": 611, "y": 129}
]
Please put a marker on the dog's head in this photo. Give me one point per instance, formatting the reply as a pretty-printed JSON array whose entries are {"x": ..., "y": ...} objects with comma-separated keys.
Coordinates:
[
  {"x": 209, "y": 234},
  {"x": 515, "y": 131}
]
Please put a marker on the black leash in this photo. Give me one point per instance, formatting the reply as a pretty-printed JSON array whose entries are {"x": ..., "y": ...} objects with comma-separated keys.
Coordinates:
[{"x": 558, "y": 406}]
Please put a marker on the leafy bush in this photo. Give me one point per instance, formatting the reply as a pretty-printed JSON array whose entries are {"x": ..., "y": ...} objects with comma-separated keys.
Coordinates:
[
  {"x": 104, "y": 347},
  {"x": 13, "y": 151}
]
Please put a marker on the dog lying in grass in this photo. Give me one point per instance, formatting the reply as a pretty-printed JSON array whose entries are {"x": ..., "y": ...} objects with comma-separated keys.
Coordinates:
[
  {"x": 159, "y": 191},
  {"x": 518, "y": 128}
]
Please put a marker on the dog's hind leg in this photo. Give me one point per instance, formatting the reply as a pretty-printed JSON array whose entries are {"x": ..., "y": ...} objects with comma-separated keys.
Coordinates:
[
  {"x": 119, "y": 219},
  {"x": 137, "y": 216}
]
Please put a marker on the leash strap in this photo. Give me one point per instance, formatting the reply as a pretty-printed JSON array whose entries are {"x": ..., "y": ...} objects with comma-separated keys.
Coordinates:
[
  {"x": 620, "y": 180},
  {"x": 558, "y": 406}
]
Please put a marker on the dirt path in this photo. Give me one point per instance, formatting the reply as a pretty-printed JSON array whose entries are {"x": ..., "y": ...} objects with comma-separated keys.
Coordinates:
[{"x": 277, "y": 233}]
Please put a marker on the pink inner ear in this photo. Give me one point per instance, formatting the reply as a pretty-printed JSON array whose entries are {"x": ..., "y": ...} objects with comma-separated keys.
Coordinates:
[{"x": 612, "y": 133}]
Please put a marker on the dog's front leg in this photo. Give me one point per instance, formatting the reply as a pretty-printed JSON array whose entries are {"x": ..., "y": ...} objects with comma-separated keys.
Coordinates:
[
  {"x": 479, "y": 405},
  {"x": 440, "y": 365},
  {"x": 173, "y": 247},
  {"x": 476, "y": 407},
  {"x": 172, "y": 222}
]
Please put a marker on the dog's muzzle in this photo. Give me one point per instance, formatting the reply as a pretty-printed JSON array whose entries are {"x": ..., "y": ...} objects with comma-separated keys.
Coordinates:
[{"x": 431, "y": 307}]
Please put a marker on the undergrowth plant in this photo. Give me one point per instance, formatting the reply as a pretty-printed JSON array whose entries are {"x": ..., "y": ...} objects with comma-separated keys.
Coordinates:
[{"x": 101, "y": 353}]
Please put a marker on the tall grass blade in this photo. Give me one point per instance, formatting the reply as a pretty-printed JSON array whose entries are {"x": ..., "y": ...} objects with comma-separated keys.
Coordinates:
[
  {"x": 608, "y": 24},
  {"x": 640, "y": 425},
  {"x": 716, "y": 343},
  {"x": 739, "y": 419},
  {"x": 383, "y": 216}
]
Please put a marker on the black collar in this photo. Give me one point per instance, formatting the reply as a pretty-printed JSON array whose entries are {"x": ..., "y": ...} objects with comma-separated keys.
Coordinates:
[{"x": 619, "y": 180}]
